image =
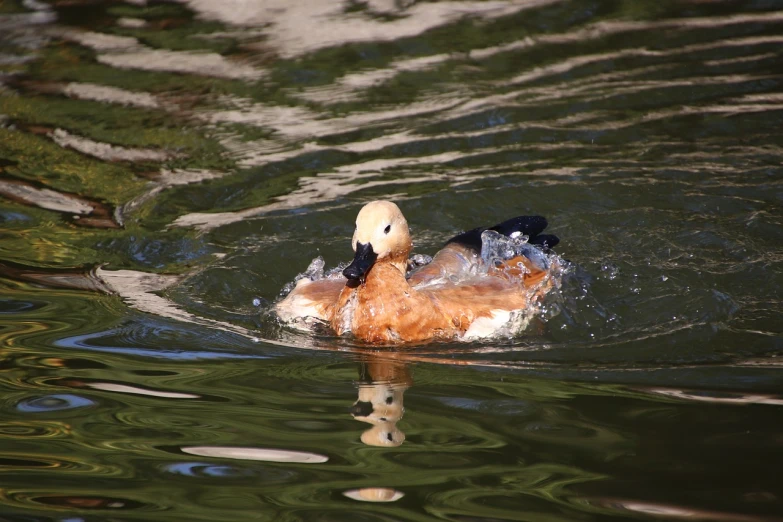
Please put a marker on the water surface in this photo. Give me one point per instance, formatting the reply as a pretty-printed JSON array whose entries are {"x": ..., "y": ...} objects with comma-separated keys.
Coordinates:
[{"x": 166, "y": 168}]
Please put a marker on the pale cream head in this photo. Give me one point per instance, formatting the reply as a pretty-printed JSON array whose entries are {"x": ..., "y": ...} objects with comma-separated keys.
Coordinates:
[{"x": 381, "y": 224}]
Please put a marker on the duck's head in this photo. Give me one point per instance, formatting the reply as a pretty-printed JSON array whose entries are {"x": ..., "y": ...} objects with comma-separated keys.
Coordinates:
[{"x": 381, "y": 234}]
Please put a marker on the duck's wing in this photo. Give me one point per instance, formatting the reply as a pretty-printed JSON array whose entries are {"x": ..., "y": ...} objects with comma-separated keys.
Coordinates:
[
  {"x": 461, "y": 253},
  {"x": 530, "y": 226},
  {"x": 490, "y": 298},
  {"x": 311, "y": 300},
  {"x": 481, "y": 307}
]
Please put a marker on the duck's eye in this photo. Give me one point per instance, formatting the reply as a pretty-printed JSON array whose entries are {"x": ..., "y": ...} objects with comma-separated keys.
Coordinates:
[{"x": 387, "y": 229}]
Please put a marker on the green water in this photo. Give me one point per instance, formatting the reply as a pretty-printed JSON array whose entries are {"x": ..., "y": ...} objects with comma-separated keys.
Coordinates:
[{"x": 166, "y": 169}]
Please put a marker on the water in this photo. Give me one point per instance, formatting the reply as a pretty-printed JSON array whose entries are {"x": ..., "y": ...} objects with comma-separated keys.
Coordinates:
[{"x": 166, "y": 169}]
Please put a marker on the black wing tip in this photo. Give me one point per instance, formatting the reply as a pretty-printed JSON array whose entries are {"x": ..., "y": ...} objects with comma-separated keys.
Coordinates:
[
  {"x": 531, "y": 226},
  {"x": 528, "y": 225},
  {"x": 470, "y": 239}
]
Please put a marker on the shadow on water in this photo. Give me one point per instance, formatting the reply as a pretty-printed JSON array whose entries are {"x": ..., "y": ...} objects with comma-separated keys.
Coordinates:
[{"x": 167, "y": 168}]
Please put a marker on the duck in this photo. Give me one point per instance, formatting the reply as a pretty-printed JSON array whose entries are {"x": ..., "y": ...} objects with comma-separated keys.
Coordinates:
[{"x": 469, "y": 290}]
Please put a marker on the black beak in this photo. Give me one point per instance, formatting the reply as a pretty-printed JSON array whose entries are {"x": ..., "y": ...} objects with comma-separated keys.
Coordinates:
[{"x": 362, "y": 261}]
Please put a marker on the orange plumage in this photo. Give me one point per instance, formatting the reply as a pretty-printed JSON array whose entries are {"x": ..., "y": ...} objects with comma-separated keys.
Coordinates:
[{"x": 454, "y": 296}]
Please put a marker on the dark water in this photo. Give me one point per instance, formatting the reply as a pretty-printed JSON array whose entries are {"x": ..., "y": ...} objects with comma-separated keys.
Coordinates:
[{"x": 166, "y": 168}]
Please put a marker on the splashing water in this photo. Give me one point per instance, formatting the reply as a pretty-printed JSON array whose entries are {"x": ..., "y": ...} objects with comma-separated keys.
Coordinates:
[
  {"x": 315, "y": 272},
  {"x": 418, "y": 260},
  {"x": 497, "y": 248}
]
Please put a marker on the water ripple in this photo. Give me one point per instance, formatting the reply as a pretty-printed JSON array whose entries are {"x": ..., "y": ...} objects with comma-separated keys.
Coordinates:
[
  {"x": 223, "y": 146},
  {"x": 262, "y": 454},
  {"x": 50, "y": 403}
]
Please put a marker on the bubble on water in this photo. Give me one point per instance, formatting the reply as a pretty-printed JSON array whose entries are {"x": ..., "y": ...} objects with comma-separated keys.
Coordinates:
[
  {"x": 256, "y": 302},
  {"x": 610, "y": 269}
]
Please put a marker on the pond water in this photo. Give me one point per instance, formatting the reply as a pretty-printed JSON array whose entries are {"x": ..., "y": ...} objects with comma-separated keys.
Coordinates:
[{"x": 166, "y": 168}]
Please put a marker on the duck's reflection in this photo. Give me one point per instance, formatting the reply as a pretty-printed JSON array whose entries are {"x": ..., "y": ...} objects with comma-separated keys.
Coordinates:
[{"x": 381, "y": 384}]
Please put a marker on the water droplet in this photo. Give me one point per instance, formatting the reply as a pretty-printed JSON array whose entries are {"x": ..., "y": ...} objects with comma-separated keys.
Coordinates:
[
  {"x": 611, "y": 270},
  {"x": 497, "y": 248},
  {"x": 420, "y": 260}
]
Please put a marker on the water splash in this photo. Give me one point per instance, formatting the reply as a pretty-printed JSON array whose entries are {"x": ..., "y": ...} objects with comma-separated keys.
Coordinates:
[
  {"x": 418, "y": 260},
  {"x": 496, "y": 249},
  {"x": 315, "y": 271}
]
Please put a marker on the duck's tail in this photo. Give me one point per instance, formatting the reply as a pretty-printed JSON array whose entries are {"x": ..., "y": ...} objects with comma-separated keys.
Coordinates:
[{"x": 530, "y": 226}]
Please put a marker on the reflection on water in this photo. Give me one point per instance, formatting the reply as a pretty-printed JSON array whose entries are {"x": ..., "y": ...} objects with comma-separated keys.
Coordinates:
[
  {"x": 676, "y": 512},
  {"x": 382, "y": 384},
  {"x": 374, "y": 494},
  {"x": 167, "y": 167},
  {"x": 268, "y": 455}
]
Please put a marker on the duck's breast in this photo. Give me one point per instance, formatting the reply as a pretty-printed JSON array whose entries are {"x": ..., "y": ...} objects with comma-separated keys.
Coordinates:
[{"x": 387, "y": 309}]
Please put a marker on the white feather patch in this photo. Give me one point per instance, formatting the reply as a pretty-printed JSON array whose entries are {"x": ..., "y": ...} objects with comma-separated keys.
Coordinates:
[{"x": 488, "y": 326}]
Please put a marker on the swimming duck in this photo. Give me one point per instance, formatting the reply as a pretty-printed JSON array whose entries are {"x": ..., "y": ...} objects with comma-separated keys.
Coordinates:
[{"x": 463, "y": 293}]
